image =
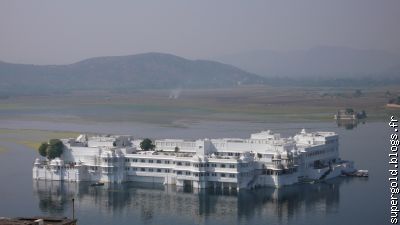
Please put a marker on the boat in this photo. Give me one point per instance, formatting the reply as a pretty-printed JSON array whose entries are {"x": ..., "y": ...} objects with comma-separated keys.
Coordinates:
[
  {"x": 361, "y": 173},
  {"x": 97, "y": 184},
  {"x": 306, "y": 180},
  {"x": 357, "y": 173}
]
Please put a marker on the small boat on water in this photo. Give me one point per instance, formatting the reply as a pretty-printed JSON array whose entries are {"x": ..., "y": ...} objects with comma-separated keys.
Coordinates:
[
  {"x": 97, "y": 184},
  {"x": 305, "y": 180},
  {"x": 361, "y": 173},
  {"x": 357, "y": 173}
]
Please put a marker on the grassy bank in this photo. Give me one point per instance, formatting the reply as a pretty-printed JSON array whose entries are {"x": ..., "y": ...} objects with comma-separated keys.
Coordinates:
[
  {"x": 30, "y": 138},
  {"x": 252, "y": 104}
]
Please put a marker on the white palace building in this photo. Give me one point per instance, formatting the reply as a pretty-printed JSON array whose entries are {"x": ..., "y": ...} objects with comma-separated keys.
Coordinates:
[{"x": 264, "y": 159}]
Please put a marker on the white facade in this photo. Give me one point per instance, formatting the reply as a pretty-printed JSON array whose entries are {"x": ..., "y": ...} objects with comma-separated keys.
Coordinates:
[{"x": 264, "y": 159}]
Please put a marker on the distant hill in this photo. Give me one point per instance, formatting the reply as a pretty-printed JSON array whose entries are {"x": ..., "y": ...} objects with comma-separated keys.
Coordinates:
[
  {"x": 141, "y": 71},
  {"x": 318, "y": 62}
]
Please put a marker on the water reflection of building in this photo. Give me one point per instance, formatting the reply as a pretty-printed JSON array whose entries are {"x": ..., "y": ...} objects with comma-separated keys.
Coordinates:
[
  {"x": 349, "y": 124},
  {"x": 290, "y": 202},
  {"x": 151, "y": 201}
]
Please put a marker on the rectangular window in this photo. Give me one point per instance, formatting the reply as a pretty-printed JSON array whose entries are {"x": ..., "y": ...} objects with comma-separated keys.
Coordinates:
[
  {"x": 179, "y": 172},
  {"x": 179, "y": 163},
  {"x": 187, "y": 164},
  {"x": 231, "y": 166},
  {"x": 142, "y": 169},
  {"x": 222, "y": 165},
  {"x": 150, "y": 161},
  {"x": 222, "y": 175},
  {"x": 158, "y": 161},
  {"x": 150, "y": 169},
  {"x": 167, "y": 170},
  {"x": 158, "y": 170},
  {"x": 166, "y": 162},
  {"x": 231, "y": 175},
  {"x": 187, "y": 173},
  {"x": 142, "y": 160}
]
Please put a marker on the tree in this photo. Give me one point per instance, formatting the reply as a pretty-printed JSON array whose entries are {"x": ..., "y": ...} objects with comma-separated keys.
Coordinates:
[
  {"x": 362, "y": 115},
  {"x": 43, "y": 149},
  {"x": 395, "y": 100},
  {"x": 147, "y": 145},
  {"x": 349, "y": 111},
  {"x": 55, "y": 148},
  {"x": 357, "y": 93},
  {"x": 51, "y": 150}
]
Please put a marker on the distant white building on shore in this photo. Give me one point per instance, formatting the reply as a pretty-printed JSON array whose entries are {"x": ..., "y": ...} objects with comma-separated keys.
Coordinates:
[{"x": 264, "y": 159}]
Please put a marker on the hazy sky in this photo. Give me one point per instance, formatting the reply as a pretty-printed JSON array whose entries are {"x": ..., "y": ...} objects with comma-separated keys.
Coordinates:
[{"x": 58, "y": 32}]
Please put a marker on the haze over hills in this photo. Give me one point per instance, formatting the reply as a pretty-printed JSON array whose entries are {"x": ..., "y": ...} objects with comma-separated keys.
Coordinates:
[
  {"x": 141, "y": 71},
  {"x": 318, "y": 62},
  {"x": 322, "y": 66}
]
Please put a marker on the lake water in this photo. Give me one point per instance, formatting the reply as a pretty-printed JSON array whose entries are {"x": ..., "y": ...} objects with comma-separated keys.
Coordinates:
[{"x": 345, "y": 201}]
